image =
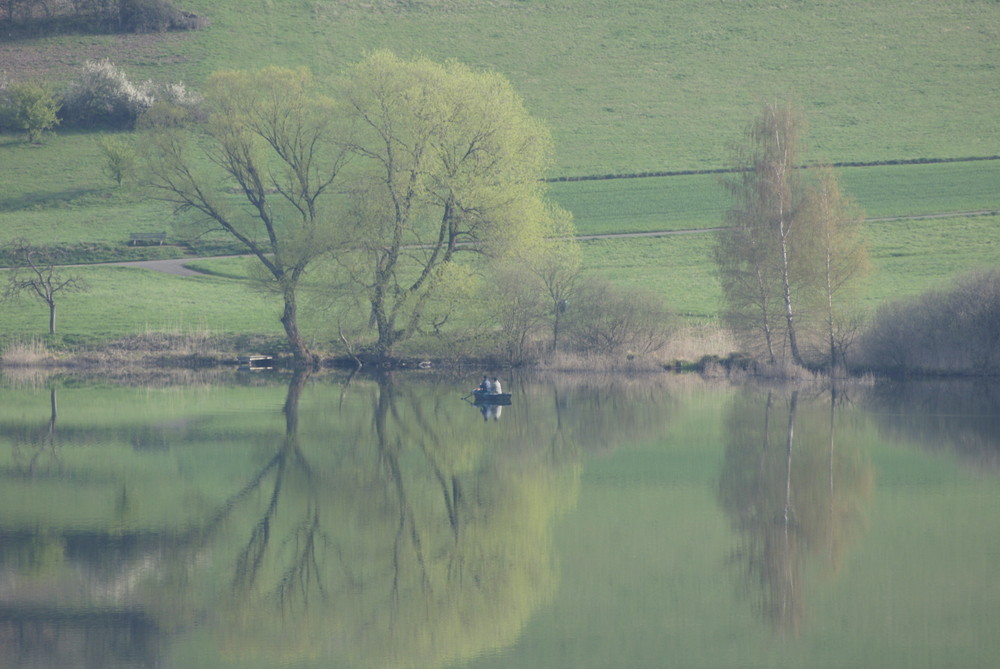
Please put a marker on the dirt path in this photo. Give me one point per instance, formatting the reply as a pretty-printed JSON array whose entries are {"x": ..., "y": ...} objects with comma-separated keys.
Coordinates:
[{"x": 177, "y": 266}]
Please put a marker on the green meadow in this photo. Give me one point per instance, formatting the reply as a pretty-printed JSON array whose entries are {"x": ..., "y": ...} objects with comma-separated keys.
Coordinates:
[
  {"x": 626, "y": 87},
  {"x": 632, "y": 85}
]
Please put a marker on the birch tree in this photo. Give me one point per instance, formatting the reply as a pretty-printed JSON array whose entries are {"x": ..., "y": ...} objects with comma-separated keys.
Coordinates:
[
  {"x": 793, "y": 243},
  {"x": 835, "y": 223}
]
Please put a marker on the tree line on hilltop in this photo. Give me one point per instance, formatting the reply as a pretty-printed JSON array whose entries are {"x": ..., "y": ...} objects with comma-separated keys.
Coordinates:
[{"x": 45, "y": 17}]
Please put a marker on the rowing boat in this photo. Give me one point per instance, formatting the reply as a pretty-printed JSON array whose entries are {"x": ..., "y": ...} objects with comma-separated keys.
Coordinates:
[{"x": 484, "y": 397}]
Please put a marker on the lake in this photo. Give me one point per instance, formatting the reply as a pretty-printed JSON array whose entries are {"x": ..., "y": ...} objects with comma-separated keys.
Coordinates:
[{"x": 264, "y": 519}]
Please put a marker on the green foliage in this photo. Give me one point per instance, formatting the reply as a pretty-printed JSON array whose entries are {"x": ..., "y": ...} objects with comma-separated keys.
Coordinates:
[
  {"x": 53, "y": 196},
  {"x": 271, "y": 139},
  {"x": 450, "y": 162},
  {"x": 119, "y": 157},
  {"x": 29, "y": 107}
]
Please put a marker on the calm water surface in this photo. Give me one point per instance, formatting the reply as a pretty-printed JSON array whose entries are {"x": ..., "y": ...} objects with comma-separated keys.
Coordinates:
[{"x": 265, "y": 520}]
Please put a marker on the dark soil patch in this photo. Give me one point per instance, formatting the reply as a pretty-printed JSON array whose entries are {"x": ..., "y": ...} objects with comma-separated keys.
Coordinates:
[{"x": 59, "y": 62}]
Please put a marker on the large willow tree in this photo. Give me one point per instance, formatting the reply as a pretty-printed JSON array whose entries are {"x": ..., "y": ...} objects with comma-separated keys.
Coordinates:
[
  {"x": 261, "y": 170},
  {"x": 449, "y": 162}
]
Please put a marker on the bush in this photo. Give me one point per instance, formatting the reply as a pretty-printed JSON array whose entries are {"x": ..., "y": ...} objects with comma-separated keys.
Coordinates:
[
  {"x": 954, "y": 331},
  {"x": 105, "y": 96},
  {"x": 119, "y": 157},
  {"x": 605, "y": 320},
  {"x": 29, "y": 108},
  {"x": 148, "y": 16}
]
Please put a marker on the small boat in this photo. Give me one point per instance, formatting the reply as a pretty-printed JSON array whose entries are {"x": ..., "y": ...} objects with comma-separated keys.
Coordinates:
[{"x": 485, "y": 397}]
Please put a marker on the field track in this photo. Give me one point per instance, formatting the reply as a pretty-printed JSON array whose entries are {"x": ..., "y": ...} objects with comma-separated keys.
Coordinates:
[{"x": 178, "y": 267}]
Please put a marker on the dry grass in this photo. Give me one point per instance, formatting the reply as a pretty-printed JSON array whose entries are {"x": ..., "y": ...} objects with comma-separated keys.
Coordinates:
[
  {"x": 693, "y": 342},
  {"x": 31, "y": 353},
  {"x": 566, "y": 361},
  {"x": 180, "y": 350}
]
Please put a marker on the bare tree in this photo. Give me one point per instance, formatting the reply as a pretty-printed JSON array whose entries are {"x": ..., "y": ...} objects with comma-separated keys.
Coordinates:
[{"x": 36, "y": 272}]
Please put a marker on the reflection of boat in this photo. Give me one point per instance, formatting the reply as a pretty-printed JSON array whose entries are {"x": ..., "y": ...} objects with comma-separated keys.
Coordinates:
[{"x": 484, "y": 397}]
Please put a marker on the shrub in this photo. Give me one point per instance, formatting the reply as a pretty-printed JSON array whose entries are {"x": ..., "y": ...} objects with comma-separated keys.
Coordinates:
[
  {"x": 607, "y": 320},
  {"x": 105, "y": 96},
  {"x": 148, "y": 16},
  {"x": 955, "y": 331},
  {"x": 30, "y": 108},
  {"x": 119, "y": 157}
]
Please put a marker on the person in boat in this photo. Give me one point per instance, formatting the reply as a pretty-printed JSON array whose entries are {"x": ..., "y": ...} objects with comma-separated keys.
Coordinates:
[
  {"x": 484, "y": 385},
  {"x": 495, "y": 388}
]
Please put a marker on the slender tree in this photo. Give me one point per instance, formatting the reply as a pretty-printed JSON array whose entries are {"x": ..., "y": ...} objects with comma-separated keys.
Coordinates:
[
  {"x": 835, "y": 225},
  {"x": 557, "y": 265},
  {"x": 753, "y": 254}
]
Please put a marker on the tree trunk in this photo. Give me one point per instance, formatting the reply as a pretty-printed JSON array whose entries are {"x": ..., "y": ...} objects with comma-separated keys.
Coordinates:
[
  {"x": 303, "y": 357},
  {"x": 52, "y": 317},
  {"x": 787, "y": 293}
]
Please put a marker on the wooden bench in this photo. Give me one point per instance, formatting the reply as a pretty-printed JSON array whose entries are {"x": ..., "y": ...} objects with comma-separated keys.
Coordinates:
[
  {"x": 256, "y": 361},
  {"x": 150, "y": 237}
]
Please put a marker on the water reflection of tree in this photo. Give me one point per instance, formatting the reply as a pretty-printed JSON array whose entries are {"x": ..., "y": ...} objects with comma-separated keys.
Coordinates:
[
  {"x": 417, "y": 547},
  {"x": 794, "y": 495},
  {"x": 34, "y": 445},
  {"x": 962, "y": 416}
]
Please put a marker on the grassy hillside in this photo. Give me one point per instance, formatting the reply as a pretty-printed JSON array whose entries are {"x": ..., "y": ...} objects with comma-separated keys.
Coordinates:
[{"x": 629, "y": 85}]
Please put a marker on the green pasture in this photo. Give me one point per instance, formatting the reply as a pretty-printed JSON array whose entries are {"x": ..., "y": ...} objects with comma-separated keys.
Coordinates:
[
  {"x": 700, "y": 201},
  {"x": 908, "y": 257},
  {"x": 124, "y": 300},
  {"x": 56, "y": 193},
  {"x": 631, "y": 85}
]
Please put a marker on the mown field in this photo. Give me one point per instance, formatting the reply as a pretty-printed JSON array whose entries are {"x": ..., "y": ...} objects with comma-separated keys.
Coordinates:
[{"x": 626, "y": 87}]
